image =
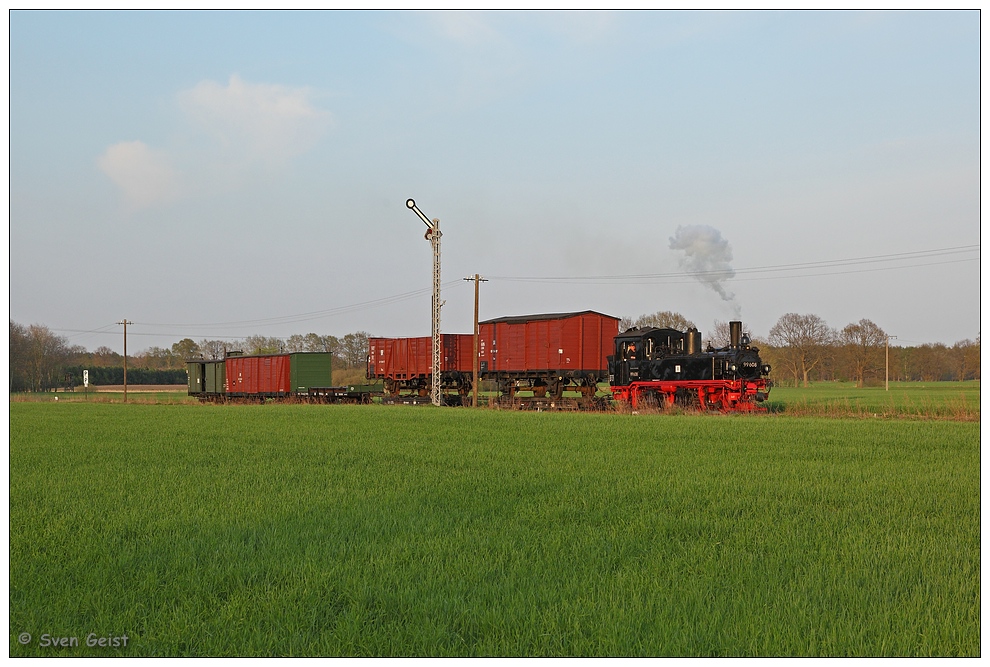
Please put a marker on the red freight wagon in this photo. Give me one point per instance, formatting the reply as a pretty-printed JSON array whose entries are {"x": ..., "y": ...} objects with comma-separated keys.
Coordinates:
[
  {"x": 407, "y": 363},
  {"x": 548, "y": 351},
  {"x": 260, "y": 375}
]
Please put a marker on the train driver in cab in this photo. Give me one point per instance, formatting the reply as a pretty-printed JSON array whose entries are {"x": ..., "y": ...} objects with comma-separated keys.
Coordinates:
[{"x": 630, "y": 351}]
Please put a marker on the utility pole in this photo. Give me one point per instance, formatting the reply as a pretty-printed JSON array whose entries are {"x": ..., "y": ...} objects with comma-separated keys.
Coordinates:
[
  {"x": 125, "y": 323},
  {"x": 886, "y": 364},
  {"x": 433, "y": 236},
  {"x": 474, "y": 369}
]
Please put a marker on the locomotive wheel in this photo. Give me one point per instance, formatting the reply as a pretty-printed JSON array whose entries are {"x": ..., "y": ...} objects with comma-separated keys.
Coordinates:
[
  {"x": 653, "y": 400},
  {"x": 687, "y": 399}
]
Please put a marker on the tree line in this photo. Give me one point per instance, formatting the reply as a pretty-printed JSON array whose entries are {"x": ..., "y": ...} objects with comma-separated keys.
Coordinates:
[
  {"x": 41, "y": 360},
  {"x": 801, "y": 348},
  {"x": 804, "y": 349}
]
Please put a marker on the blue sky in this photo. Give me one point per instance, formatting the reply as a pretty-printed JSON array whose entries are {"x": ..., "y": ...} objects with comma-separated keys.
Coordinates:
[{"x": 222, "y": 174}]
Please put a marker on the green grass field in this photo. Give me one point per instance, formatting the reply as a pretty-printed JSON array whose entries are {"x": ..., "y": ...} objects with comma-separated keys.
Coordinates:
[
  {"x": 404, "y": 531},
  {"x": 928, "y": 400}
]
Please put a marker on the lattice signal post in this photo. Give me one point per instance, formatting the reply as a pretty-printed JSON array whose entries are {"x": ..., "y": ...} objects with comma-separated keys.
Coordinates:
[{"x": 433, "y": 236}]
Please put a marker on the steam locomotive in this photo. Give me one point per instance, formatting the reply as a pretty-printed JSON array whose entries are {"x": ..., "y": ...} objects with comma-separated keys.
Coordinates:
[{"x": 661, "y": 367}]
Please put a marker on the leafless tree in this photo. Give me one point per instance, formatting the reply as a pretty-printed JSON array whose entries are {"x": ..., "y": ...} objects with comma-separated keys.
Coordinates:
[
  {"x": 264, "y": 345},
  {"x": 665, "y": 319},
  {"x": 323, "y": 343},
  {"x": 966, "y": 355},
  {"x": 213, "y": 349},
  {"x": 295, "y": 343},
  {"x": 353, "y": 349},
  {"x": 46, "y": 356},
  {"x": 719, "y": 335},
  {"x": 863, "y": 343},
  {"x": 802, "y": 342},
  {"x": 18, "y": 357}
]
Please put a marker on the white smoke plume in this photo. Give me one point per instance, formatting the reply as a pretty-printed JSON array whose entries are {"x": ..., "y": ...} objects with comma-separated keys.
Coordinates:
[{"x": 707, "y": 256}]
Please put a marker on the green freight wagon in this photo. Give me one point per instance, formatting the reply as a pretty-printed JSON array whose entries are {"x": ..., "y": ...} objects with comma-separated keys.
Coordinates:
[
  {"x": 216, "y": 377},
  {"x": 206, "y": 377},
  {"x": 309, "y": 369},
  {"x": 195, "y": 369}
]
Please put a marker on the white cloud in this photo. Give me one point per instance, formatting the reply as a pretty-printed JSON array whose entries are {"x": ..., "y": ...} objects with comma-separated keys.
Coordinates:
[
  {"x": 262, "y": 123},
  {"x": 236, "y": 129},
  {"x": 144, "y": 176}
]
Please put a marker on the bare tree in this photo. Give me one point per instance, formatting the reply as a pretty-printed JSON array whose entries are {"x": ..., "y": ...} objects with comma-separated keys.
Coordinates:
[
  {"x": 18, "y": 357},
  {"x": 353, "y": 349},
  {"x": 295, "y": 343},
  {"x": 322, "y": 343},
  {"x": 966, "y": 356},
  {"x": 264, "y": 345},
  {"x": 929, "y": 362},
  {"x": 104, "y": 356},
  {"x": 46, "y": 355},
  {"x": 863, "y": 343},
  {"x": 213, "y": 349},
  {"x": 665, "y": 319},
  {"x": 157, "y": 358},
  {"x": 311, "y": 342},
  {"x": 719, "y": 335},
  {"x": 803, "y": 342}
]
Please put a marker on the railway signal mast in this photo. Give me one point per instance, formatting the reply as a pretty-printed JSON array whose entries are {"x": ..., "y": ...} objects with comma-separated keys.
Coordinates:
[{"x": 433, "y": 236}]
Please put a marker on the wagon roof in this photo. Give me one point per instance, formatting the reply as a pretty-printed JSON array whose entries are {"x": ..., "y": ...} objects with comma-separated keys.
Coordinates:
[{"x": 520, "y": 319}]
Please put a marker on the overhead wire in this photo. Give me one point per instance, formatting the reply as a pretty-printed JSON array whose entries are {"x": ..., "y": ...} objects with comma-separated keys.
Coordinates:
[
  {"x": 720, "y": 274},
  {"x": 264, "y": 322},
  {"x": 792, "y": 270}
]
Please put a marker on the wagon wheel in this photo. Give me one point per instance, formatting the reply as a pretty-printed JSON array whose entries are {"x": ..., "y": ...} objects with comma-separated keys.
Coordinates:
[{"x": 506, "y": 388}]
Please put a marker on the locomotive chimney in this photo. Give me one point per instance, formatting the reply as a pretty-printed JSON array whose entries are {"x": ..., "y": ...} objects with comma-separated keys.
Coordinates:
[
  {"x": 693, "y": 341},
  {"x": 735, "y": 334}
]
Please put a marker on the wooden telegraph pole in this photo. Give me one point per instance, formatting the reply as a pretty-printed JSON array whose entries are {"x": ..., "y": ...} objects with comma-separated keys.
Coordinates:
[
  {"x": 886, "y": 364},
  {"x": 125, "y": 323},
  {"x": 474, "y": 369}
]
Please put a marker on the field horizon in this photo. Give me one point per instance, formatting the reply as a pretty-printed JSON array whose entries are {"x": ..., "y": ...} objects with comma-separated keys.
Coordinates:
[{"x": 952, "y": 401}]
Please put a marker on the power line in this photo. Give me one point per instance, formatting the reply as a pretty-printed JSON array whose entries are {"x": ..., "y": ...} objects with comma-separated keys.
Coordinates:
[
  {"x": 666, "y": 278},
  {"x": 775, "y": 268},
  {"x": 272, "y": 321},
  {"x": 303, "y": 317},
  {"x": 670, "y": 279}
]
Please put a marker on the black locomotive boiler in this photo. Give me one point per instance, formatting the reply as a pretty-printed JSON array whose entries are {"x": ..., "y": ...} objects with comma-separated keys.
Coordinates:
[{"x": 662, "y": 367}]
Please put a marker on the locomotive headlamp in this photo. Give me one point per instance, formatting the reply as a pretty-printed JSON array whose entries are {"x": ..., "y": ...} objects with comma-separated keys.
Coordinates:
[{"x": 766, "y": 369}]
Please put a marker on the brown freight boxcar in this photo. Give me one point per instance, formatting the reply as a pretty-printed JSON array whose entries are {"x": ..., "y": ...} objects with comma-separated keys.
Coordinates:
[
  {"x": 405, "y": 364},
  {"x": 547, "y": 353},
  {"x": 264, "y": 375},
  {"x": 293, "y": 374}
]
